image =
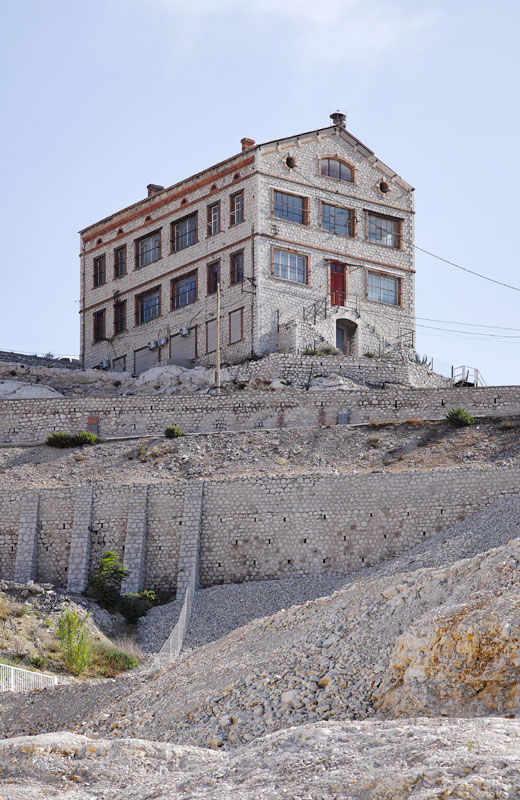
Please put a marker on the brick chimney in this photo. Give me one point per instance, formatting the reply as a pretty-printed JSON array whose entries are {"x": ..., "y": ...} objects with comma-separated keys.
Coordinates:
[
  {"x": 247, "y": 144},
  {"x": 153, "y": 189}
]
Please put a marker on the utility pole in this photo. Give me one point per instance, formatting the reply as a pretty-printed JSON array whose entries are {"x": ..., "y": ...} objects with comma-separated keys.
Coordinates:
[{"x": 217, "y": 353}]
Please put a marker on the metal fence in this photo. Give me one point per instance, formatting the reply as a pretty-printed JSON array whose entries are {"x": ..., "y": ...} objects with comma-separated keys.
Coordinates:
[
  {"x": 15, "y": 679},
  {"x": 173, "y": 644}
]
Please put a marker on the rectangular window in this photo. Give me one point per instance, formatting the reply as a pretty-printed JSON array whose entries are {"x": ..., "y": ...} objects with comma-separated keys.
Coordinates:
[
  {"x": 289, "y": 266},
  {"x": 119, "y": 317},
  {"x": 211, "y": 336},
  {"x": 120, "y": 261},
  {"x": 383, "y": 230},
  {"x": 119, "y": 364},
  {"x": 383, "y": 289},
  {"x": 337, "y": 220},
  {"x": 99, "y": 325},
  {"x": 213, "y": 277},
  {"x": 236, "y": 326},
  {"x": 148, "y": 250},
  {"x": 236, "y": 208},
  {"x": 184, "y": 233},
  {"x": 214, "y": 218},
  {"x": 236, "y": 268},
  {"x": 147, "y": 306},
  {"x": 290, "y": 207},
  {"x": 183, "y": 291},
  {"x": 99, "y": 271}
]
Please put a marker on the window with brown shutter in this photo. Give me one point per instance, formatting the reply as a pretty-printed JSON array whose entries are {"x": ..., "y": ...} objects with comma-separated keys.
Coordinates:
[{"x": 236, "y": 325}]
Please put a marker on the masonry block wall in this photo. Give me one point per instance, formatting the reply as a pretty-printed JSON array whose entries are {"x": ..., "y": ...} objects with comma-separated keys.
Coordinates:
[
  {"x": 32, "y": 420},
  {"x": 377, "y": 371},
  {"x": 250, "y": 529}
]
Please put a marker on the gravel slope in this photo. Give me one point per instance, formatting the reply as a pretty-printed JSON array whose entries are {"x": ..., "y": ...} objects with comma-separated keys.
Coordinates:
[{"x": 218, "y": 610}]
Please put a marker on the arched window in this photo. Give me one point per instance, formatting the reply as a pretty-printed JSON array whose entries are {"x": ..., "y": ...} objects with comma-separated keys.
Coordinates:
[{"x": 334, "y": 168}]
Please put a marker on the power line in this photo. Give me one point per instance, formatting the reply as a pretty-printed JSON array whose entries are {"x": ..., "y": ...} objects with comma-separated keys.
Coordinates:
[
  {"x": 465, "y": 269},
  {"x": 470, "y": 333},
  {"x": 470, "y": 324},
  {"x": 428, "y": 252}
]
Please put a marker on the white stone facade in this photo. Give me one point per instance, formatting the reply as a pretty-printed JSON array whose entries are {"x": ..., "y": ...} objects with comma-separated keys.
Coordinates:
[{"x": 256, "y": 310}]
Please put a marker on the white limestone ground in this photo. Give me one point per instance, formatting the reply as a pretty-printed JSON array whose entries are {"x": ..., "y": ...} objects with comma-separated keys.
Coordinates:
[
  {"x": 23, "y": 381},
  {"x": 423, "y": 759}
]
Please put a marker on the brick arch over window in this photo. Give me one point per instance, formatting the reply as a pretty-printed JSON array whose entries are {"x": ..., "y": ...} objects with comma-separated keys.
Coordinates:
[{"x": 332, "y": 166}]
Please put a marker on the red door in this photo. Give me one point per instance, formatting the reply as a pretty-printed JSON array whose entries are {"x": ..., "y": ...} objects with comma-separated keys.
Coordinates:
[{"x": 337, "y": 285}]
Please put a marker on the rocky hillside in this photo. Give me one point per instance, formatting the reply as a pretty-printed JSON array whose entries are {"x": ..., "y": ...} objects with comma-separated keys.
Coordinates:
[
  {"x": 410, "y": 445},
  {"x": 402, "y": 683}
]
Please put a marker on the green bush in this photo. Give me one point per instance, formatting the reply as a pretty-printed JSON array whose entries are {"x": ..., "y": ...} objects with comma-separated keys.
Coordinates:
[
  {"x": 110, "y": 661},
  {"x": 106, "y": 580},
  {"x": 173, "y": 432},
  {"x": 72, "y": 633},
  {"x": 459, "y": 417},
  {"x": 134, "y": 606},
  {"x": 62, "y": 439}
]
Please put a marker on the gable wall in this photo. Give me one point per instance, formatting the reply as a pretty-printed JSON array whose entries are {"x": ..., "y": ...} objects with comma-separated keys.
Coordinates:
[{"x": 282, "y": 301}]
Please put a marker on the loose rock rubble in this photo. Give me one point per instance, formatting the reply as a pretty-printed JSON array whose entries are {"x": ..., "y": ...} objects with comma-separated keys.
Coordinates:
[
  {"x": 22, "y": 380},
  {"x": 413, "y": 445}
]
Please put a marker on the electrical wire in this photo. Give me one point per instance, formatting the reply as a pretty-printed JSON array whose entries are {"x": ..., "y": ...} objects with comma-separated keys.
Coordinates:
[{"x": 422, "y": 249}]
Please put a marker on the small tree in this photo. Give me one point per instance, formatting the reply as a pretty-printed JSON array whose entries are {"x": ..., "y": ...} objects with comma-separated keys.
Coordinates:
[
  {"x": 72, "y": 633},
  {"x": 107, "y": 579}
]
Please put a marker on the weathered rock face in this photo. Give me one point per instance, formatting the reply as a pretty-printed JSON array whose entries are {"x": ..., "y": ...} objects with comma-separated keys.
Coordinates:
[
  {"x": 18, "y": 390},
  {"x": 374, "y": 760},
  {"x": 463, "y": 659}
]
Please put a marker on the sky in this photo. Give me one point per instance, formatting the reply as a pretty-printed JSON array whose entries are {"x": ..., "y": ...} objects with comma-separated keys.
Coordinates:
[{"x": 101, "y": 98}]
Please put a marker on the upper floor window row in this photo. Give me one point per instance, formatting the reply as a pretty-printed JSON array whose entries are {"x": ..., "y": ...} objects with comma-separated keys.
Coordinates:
[
  {"x": 147, "y": 249},
  {"x": 184, "y": 232},
  {"x": 383, "y": 230},
  {"x": 334, "y": 168},
  {"x": 291, "y": 207}
]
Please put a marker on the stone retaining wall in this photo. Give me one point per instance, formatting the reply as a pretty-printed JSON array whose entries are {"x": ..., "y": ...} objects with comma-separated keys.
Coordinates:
[
  {"x": 377, "y": 371},
  {"x": 250, "y": 528},
  {"x": 31, "y": 420}
]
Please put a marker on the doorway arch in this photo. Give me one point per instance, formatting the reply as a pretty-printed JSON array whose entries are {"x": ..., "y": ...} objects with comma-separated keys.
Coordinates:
[{"x": 346, "y": 337}]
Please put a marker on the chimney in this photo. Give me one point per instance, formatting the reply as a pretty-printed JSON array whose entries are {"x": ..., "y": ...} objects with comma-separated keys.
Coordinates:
[
  {"x": 338, "y": 118},
  {"x": 153, "y": 189},
  {"x": 247, "y": 144}
]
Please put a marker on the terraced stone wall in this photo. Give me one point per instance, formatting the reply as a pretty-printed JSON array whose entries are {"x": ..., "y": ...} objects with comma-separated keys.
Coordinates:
[
  {"x": 250, "y": 528},
  {"x": 31, "y": 420}
]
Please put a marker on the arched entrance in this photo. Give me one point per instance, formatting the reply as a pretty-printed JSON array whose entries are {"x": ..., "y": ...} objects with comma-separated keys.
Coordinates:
[{"x": 346, "y": 336}]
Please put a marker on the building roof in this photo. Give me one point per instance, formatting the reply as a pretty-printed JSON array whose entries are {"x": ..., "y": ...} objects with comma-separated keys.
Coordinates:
[{"x": 349, "y": 137}]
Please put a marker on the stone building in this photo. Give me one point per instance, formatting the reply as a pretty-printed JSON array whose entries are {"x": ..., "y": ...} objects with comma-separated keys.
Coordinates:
[{"x": 309, "y": 236}]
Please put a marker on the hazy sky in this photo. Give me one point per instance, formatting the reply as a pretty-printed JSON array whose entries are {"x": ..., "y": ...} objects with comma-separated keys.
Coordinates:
[{"x": 101, "y": 98}]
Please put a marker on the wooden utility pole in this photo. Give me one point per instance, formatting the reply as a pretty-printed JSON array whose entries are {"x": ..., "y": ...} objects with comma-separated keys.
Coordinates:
[{"x": 217, "y": 353}]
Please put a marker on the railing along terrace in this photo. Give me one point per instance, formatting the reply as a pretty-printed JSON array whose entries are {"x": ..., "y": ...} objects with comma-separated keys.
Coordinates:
[{"x": 16, "y": 679}]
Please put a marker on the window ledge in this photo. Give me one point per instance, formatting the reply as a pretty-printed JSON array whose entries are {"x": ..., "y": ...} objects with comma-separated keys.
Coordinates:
[
  {"x": 386, "y": 246},
  {"x": 292, "y": 283},
  {"x": 291, "y": 222}
]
